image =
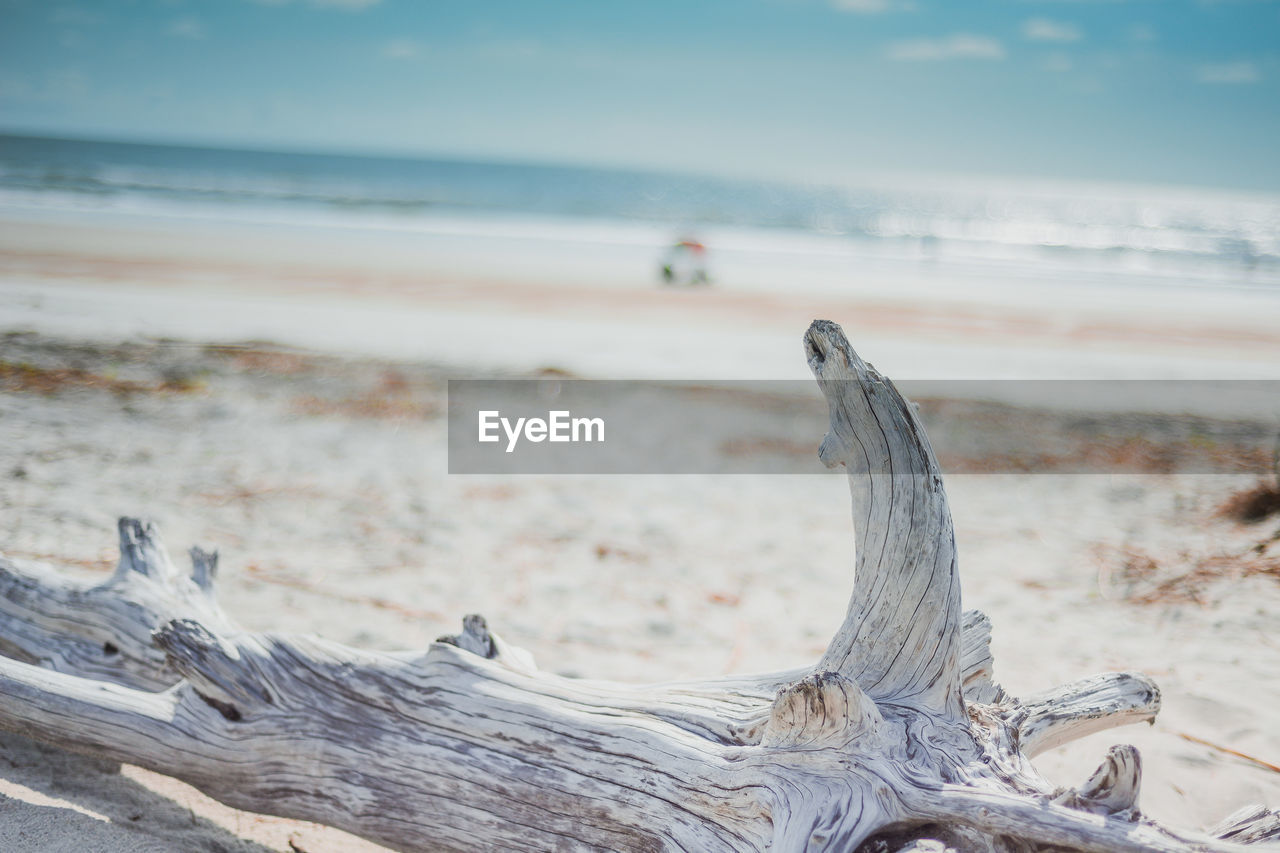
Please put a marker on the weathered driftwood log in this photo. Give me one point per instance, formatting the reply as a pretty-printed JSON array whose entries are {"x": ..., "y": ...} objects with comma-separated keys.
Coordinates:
[{"x": 898, "y": 739}]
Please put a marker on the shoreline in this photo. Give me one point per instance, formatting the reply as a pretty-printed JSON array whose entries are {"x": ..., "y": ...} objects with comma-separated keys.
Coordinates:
[{"x": 346, "y": 292}]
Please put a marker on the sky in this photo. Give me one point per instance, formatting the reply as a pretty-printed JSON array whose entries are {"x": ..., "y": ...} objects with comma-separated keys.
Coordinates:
[{"x": 1144, "y": 91}]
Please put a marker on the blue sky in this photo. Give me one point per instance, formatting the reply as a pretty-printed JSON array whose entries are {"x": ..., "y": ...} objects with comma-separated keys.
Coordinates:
[{"x": 1146, "y": 91}]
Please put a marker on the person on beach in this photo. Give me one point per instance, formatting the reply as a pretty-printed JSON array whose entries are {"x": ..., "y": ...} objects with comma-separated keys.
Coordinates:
[{"x": 685, "y": 263}]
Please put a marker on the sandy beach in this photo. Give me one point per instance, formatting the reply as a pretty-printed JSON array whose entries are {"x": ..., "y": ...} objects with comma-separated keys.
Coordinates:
[
  {"x": 330, "y": 287},
  {"x": 281, "y": 398},
  {"x": 589, "y": 306}
]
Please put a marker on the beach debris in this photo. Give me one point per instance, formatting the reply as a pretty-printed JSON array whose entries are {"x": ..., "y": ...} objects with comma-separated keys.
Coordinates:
[
  {"x": 1250, "y": 825},
  {"x": 1252, "y": 505},
  {"x": 24, "y": 377},
  {"x": 897, "y": 739},
  {"x": 394, "y": 396},
  {"x": 1187, "y": 578},
  {"x": 1260, "y": 502},
  {"x": 1257, "y": 762}
]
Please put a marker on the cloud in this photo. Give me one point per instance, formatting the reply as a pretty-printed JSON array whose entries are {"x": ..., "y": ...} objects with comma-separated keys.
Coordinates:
[
  {"x": 187, "y": 28},
  {"x": 512, "y": 49},
  {"x": 1043, "y": 29},
  {"x": 75, "y": 16},
  {"x": 1228, "y": 72},
  {"x": 1142, "y": 33},
  {"x": 401, "y": 49},
  {"x": 348, "y": 5},
  {"x": 14, "y": 87},
  {"x": 1059, "y": 63},
  {"x": 63, "y": 86},
  {"x": 872, "y": 7},
  {"x": 957, "y": 46}
]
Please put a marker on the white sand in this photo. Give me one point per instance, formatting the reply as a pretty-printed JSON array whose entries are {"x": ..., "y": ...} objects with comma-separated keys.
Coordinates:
[
  {"x": 592, "y": 309},
  {"x": 349, "y": 526}
]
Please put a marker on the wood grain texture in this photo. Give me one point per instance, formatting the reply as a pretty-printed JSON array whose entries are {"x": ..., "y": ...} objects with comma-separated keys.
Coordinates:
[
  {"x": 898, "y": 738},
  {"x": 900, "y": 639}
]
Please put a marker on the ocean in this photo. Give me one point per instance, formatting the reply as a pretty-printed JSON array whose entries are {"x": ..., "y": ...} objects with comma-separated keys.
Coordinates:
[{"x": 1071, "y": 233}]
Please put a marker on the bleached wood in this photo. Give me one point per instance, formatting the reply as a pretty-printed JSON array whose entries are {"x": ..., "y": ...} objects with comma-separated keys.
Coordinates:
[
  {"x": 104, "y": 631},
  {"x": 977, "y": 666},
  {"x": 1113, "y": 788},
  {"x": 1083, "y": 707},
  {"x": 1250, "y": 824},
  {"x": 898, "y": 739},
  {"x": 900, "y": 639}
]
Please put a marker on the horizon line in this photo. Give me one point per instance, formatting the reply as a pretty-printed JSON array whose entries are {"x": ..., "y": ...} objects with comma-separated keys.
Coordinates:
[{"x": 884, "y": 179}]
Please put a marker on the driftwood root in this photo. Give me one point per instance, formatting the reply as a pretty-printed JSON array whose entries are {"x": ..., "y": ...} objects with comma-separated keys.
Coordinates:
[{"x": 899, "y": 738}]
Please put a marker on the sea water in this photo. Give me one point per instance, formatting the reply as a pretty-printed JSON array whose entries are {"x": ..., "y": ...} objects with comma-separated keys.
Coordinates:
[{"x": 618, "y": 225}]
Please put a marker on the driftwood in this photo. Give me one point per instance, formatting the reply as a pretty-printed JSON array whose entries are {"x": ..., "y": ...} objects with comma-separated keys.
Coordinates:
[{"x": 898, "y": 739}]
